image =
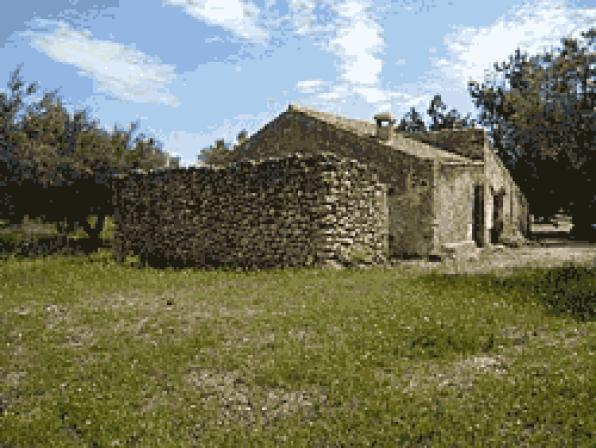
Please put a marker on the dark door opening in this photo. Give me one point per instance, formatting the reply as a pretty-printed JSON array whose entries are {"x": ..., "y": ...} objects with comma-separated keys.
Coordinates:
[
  {"x": 497, "y": 229},
  {"x": 478, "y": 215}
]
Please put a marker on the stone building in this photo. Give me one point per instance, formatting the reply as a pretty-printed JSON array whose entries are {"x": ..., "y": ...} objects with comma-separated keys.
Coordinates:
[{"x": 447, "y": 190}]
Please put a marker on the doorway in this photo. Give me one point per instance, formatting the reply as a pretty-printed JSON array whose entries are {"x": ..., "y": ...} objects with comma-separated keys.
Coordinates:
[
  {"x": 497, "y": 229},
  {"x": 478, "y": 215}
]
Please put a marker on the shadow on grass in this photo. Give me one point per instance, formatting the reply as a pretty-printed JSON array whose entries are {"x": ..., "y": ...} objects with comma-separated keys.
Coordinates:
[
  {"x": 568, "y": 290},
  {"x": 50, "y": 245}
]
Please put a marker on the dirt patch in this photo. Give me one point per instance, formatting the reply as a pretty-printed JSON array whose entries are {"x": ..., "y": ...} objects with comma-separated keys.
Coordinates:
[
  {"x": 179, "y": 302},
  {"x": 501, "y": 260},
  {"x": 55, "y": 315},
  {"x": 80, "y": 337},
  {"x": 9, "y": 392},
  {"x": 568, "y": 338},
  {"x": 249, "y": 404},
  {"x": 147, "y": 315},
  {"x": 460, "y": 374},
  {"x": 463, "y": 373}
]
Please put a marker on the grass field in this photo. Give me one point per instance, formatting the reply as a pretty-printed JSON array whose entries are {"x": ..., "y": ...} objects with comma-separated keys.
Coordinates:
[
  {"x": 34, "y": 238},
  {"x": 95, "y": 353}
]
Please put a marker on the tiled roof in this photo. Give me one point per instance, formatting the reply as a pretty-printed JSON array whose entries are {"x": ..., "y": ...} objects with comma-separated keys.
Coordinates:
[
  {"x": 360, "y": 127},
  {"x": 367, "y": 130}
]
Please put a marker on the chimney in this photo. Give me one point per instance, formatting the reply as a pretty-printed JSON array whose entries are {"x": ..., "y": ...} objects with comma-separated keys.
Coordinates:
[{"x": 385, "y": 124}]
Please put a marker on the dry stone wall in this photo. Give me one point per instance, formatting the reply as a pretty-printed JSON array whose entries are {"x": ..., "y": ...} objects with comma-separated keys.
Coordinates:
[
  {"x": 409, "y": 178},
  {"x": 292, "y": 211}
]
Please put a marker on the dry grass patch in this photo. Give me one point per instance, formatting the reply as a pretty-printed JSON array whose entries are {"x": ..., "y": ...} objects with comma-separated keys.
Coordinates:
[
  {"x": 251, "y": 405},
  {"x": 425, "y": 377}
]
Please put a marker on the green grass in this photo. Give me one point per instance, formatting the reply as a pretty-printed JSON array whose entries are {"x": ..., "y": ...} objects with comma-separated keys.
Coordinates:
[
  {"x": 99, "y": 354},
  {"x": 29, "y": 229},
  {"x": 34, "y": 237}
]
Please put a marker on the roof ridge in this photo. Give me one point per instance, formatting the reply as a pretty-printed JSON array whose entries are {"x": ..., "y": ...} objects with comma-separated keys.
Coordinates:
[
  {"x": 357, "y": 126},
  {"x": 366, "y": 129}
]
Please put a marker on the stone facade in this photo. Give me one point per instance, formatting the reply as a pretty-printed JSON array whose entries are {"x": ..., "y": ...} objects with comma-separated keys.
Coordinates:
[
  {"x": 281, "y": 212},
  {"x": 454, "y": 206},
  {"x": 437, "y": 181},
  {"x": 507, "y": 210},
  {"x": 504, "y": 214},
  {"x": 357, "y": 187},
  {"x": 408, "y": 172}
]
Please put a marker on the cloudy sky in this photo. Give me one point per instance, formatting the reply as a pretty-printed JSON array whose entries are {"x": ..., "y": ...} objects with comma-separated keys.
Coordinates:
[{"x": 191, "y": 71}]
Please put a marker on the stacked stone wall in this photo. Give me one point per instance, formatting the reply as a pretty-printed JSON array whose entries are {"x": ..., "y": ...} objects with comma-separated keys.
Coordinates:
[
  {"x": 409, "y": 178},
  {"x": 293, "y": 211}
]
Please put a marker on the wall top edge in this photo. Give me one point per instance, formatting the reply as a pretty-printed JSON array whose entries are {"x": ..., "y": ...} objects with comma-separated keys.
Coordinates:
[{"x": 324, "y": 157}]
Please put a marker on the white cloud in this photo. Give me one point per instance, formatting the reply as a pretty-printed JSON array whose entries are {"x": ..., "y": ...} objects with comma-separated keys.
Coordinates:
[
  {"x": 336, "y": 93},
  {"x": 239, "y": 17},
  {"x": 310, "y": 85},
  {"x": 312, "y": 17},
  {"x": 302, "y": 12},
  {"x": 358, "y": 43},
  {"x": 372, "y": 94},
  {"x": 349, "y": 31},
  {"x": 532, "y": 27},
  {"x": 214, "y": 39},
  {"x": 407, "y": 100},
  {"x": 118, "y": 70}
]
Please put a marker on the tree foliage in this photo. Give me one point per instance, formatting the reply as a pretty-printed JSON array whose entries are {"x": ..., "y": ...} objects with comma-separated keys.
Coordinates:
[
  {"x": 412, "y": 122},
  {"x": 216, "y": 154},
  {"x": 442, "y": 118},
  {"x": 219, "y": 152},
  {"x": 57, "y": 165},
  {"x": 540, "y": 113}
]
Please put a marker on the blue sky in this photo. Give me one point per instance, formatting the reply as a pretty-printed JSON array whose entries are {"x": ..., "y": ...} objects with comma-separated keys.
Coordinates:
[{"x": 191, "y": 71}]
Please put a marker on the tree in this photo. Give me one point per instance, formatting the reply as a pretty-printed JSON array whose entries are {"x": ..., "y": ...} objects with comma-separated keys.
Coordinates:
[
  {"x": 241, "y": 137},
  {"x": 58, "y": 166},
  {"x": 440, "y": 119},
  {"x": 216, "y": 154},
  {"x": 540, "y": 113},
  {"x": 436, "y": 112},
  {"x": 16, "y": 170},
  {"x": 412, "y": 122}
]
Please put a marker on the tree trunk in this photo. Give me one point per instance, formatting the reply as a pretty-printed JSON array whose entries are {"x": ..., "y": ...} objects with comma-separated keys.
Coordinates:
[
  {"x": 94, "y": 231},
  {"x": 65, "y": 226}
]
